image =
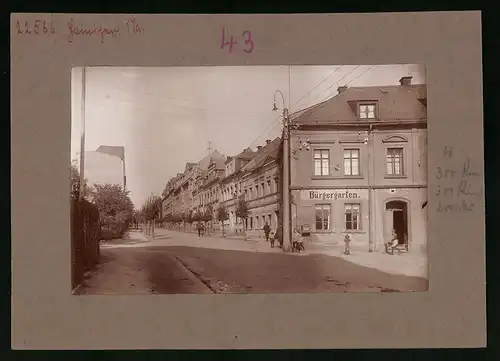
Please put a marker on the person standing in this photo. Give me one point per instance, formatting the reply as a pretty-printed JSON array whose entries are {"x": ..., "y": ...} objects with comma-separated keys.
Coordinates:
[{"x": 267, "y": 230}]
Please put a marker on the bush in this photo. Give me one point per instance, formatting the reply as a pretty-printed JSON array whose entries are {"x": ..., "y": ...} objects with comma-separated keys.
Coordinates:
[{"x": 113, "y": 230}]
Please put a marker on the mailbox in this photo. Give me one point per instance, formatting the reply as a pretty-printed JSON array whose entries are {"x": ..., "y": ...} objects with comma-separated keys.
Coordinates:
[{"x": 305, "y": 230}]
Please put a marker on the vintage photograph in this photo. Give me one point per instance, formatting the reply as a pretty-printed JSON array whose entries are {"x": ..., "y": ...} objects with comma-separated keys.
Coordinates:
[{"x": 248, "y": 179}]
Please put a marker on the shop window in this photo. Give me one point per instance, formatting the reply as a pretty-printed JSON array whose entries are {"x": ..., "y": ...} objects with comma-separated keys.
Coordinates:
[
  {"x": 322, "y": 217},
  {"x": 395, "y": 161},
  {"x": 351, "y": 162},
  {"x": 321, "y": 162},
  {"x": 352, "y": 217}
]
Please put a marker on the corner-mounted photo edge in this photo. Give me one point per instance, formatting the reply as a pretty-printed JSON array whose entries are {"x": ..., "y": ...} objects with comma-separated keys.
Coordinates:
[{"x": 254, "y": 182}]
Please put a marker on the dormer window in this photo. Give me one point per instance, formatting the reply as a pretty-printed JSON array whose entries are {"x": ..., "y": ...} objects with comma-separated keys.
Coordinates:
[{"x": 366, "y": 111}]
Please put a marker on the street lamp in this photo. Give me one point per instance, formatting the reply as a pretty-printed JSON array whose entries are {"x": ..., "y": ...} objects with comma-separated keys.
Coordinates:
[{"x": 286, "y": 172}]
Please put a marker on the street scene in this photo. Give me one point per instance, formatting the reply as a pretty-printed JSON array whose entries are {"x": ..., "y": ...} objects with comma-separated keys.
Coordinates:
[{"x": 302, "y": 179}]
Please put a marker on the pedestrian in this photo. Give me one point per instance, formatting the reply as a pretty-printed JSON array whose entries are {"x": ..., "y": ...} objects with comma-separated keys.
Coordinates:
[
  {"x": 392, "y": 243},
  {"x": 279, "y": 236},
  {"x": 267, "y": 230},
  {"x": 198, "y": 227}
]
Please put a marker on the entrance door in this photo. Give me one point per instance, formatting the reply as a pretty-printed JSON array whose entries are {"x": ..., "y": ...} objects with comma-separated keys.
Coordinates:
[{"x": 399, "y": 221}]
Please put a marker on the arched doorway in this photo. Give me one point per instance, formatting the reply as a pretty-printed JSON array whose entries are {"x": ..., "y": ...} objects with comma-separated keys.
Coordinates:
[{"x": 396, "y": 218}]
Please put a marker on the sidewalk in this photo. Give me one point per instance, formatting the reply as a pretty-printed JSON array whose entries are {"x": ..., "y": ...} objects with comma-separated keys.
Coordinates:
[{"x": 403, "y": 264}]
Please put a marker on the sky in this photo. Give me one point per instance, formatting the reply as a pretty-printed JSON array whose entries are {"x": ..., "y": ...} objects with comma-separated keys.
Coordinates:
[{"x": 165, "y": 117}]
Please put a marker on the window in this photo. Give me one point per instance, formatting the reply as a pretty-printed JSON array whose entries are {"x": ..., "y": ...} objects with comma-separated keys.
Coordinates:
[
  {"x": 269, "y": 189},
  {"x": 395, "y": 161},
  {"x": 321, "y": 162},
  {"x": 251, "y": 222},
  {"x": 352, "y": 216},
  {"x": 351, "y": 161},
  {"x": 263, "y": 189},
  {"x": 367, "y": 111},
  {"x": 322, "y": 217}
]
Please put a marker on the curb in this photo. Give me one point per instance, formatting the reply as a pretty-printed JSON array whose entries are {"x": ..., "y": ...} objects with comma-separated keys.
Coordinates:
[
  {"x": 76, "y": 289},
  {"x": 194, "y": 275}
]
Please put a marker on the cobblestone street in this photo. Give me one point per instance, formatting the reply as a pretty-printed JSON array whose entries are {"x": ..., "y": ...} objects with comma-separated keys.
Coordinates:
[{"x": 176, "y": 262}]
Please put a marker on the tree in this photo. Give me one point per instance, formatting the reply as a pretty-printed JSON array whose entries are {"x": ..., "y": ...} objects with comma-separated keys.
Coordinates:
[
  {"x": 116, "y": 209},
  {"x": 207, "y": 216},
  {"x": 112, "y": 202},
  {"x": 222, "y": 216},
  {"x": 189, "y": 219},
  {"x": 74, "y": 174},
  {"x": 151, "y": 210},
  {"x": 242, "y": 211}
]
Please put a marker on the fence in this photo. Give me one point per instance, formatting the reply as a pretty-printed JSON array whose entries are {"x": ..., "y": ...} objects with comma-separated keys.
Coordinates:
[{"x": 85, "y": 237}]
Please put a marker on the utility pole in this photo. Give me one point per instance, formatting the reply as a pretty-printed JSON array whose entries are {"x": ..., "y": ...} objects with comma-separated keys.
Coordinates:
[
  {"x": 82, "y": 140},
  {"x": 286, "y": 180},
  {"x": 286, "y": 173},
  {"x": 370, "y": 191},
  {"x": 209, "y": 147},
  {"x": 124, "y": 173}
]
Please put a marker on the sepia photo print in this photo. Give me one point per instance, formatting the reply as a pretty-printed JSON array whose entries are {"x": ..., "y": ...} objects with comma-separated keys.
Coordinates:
[{"x": 249, "y": 179}]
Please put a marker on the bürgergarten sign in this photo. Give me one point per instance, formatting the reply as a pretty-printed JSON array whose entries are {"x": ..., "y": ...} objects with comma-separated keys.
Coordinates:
[{"x": 333, "y": 194}]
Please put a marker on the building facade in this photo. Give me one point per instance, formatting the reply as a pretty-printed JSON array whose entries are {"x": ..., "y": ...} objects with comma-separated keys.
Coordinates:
[
  {"x": 219, "y": 181},
  {"x": 105, "y": 165},
  {"x": 231, "y": 189},
  {"x": 260, "y": 188},
  {"x": 358, "y": 166},
  {"x": 190, "y": 191}
]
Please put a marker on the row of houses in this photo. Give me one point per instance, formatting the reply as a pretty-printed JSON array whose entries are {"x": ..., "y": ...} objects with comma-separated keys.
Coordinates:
[
  {"x": 219, "y": 180},
  {"x": 358, "y": 166}
]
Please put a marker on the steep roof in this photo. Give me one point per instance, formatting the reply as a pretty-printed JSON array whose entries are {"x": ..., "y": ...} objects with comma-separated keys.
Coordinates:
[
  {"x": 205, "y": 162},
  {"x": 394, "y": 103},
  {"x": 218, "y": 159},
  {"x": 264, "y": 154},
  {"x": 117, "y": 151},
  {"x": 188, "y": 167}
]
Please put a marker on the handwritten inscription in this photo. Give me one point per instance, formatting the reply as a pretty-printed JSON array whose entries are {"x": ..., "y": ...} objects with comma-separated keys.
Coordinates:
[
  {"x": 35, "y": 27},
  {"x": 248, "y": 43},
  {"x": 75, "y": 30},
  {"x": 458, "y": 187},
  {"x": 95, "y": 30},
  {"x": 134, "y": 27}
]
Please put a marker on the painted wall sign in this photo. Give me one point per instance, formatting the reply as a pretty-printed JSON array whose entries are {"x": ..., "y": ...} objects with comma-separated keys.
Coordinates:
[{"x": 333, "y": 194}]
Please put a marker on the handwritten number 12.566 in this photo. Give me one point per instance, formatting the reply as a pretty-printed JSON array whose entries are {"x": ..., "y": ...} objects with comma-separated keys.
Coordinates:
[
  {"x": 36, "y": 27},
  {"x": 247, "y": 37}
]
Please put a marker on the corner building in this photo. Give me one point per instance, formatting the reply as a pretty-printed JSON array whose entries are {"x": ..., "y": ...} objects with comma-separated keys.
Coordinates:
[{"x": 358, "y": 166}]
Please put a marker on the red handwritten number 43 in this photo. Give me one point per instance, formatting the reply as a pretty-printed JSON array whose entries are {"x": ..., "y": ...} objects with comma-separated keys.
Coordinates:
[
  {"x": 247, "y": 36},
  {"x": 37, "y": 27}
]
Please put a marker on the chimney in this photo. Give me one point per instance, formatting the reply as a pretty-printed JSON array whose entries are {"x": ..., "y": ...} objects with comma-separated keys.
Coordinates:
[
  {"x": 406, "y": 80},
  {"x": 259, "y": 147},
  {"x": 342, "y": 89}
]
